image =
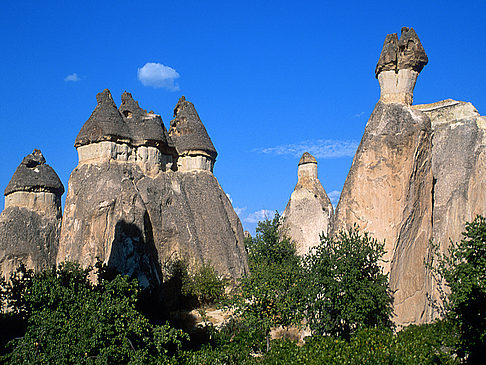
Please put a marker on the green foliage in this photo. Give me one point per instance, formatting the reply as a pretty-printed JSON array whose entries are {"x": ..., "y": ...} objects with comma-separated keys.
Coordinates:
[
  {"x": 271, "y": 294},
  {"x": 416, "y": 345},
  {"x": 71, "y": 320},
  {"x": 205, "y": 285},
  {"x": 346, "y": 288},
  {"x": 464, "y": 271}
]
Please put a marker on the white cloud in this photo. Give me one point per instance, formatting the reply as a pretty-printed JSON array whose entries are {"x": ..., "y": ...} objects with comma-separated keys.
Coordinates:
[
  {"x": 259, "y": 215},
  {"x": 239, "y": 211},
  {"x": 359, "y": 114},
  {"x": 334, "y": 197},
  {"x": 72, "y": 78},
  {"x": 321, "y": 148},
  {"x": 158, "y": 76}
]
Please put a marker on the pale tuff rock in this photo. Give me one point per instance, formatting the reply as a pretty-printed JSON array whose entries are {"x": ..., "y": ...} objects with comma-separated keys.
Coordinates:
[
  {"x": 400, "y": 63},
  {"x": 309, "y": 209},
  {"x": 192, "y": 142},
  {"x": 127, "y": 205},
  {"x": 31, "y": 221},
  {"x": 388, "y": 191},
  {"x": 459, "y": 168}
]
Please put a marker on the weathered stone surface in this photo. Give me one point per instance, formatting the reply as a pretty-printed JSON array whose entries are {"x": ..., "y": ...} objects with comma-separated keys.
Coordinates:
[
  {"x": 400, "y": 63},
  {"x": 127, "y": 206},
  {"x": 188, "y": 132},
  {"x": 146, "y": 129},
  {"x": 458, "y": 165},
  {"x": 33, "y": 174},
  {"x": 31, "y": 221},
  {"x": 194, "y": 221},
  {"x": 388, "y": 192},
  {"x": 309, "y": 210},
  {"x": 105, "y": 123}
]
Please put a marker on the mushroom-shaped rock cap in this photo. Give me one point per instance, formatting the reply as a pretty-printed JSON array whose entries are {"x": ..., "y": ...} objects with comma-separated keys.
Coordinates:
[
  {"x": 104, "y": 124},
  {"x": 411, "y": 54},
  {"x": 187, "y": 130},
  {"x": 404, "y": 53},
  {"x": 307, "y": 158},
  {"x": 145, "y": 128},
  {"x": 33, "y": 174}
]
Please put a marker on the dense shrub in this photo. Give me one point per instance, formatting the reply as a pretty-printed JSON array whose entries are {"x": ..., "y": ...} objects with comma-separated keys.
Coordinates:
[
  {"x": 464, "y": 272},
  {"x": 70, "y": 320},
  {"x": 205, "y": 284},
  {"x": 345, "y": 287}
]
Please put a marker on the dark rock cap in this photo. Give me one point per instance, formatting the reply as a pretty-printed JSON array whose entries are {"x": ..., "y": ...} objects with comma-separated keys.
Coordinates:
[
  {"x": 307, "y": 158},
  {"x": 145, "y": 128},
  {"x": 400, "y": 54},
  {"x": 33, "y": 174},
  {"x": 104, "y": 124},
  {"x": 187, "y": 130}
]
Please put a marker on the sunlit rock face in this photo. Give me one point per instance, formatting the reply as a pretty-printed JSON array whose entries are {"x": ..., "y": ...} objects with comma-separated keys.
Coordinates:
[
  {"x": 388, "y": 191},
  {"x": 31, "y": 221},
  {"x": 309, "y": 210},
  {"x": 129, "y": 205},
  {"x": 458, "y": 165}
]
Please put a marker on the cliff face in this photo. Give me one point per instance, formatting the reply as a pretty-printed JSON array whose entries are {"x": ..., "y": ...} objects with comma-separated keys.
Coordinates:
[
  {"x": 309, "y": 210},
  {"x": 31, "y": 221},
  {"x": 128, "y": 205},
  {"x": 388, "y": 193},
  {"x": 417, "y": 176}
]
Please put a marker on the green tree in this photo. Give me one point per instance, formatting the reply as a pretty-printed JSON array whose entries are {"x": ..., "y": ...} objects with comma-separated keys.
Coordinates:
[
  {"x": 464, "y": 272},
  {"x": 271, "y": 295},
  {"x": 72, "y": 321},
  {"x": 346, "y": 288}
]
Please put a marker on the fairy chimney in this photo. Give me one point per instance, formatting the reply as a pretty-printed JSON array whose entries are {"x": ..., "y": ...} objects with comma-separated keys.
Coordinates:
[
  {"x": 400, "y": 63},
  {"x": 192, "y": 142}
]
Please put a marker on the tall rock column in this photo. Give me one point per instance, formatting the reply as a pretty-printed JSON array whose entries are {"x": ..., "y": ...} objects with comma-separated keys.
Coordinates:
[
  {"x": 388, "y": 191},
  {"x": 31, "y": 221},
  {"x": 309, "y": 210}
]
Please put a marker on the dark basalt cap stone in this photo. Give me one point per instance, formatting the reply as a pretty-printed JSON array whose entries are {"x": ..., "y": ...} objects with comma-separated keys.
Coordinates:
[
  {"x": 307, "y": 158},
  {"x": 187, "y": 130},
  {"x": 104, "y": 124},
  {"x": 33, "y": 174},
  {"x": 400, "y": 54},
  {"x": 389, "y": 54},
  {"x": 411, "y": 54},
  {"x": 145, "y": 129}
]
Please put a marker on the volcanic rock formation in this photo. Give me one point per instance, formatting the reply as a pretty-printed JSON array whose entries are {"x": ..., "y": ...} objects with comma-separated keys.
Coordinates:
[
  {"x": 309, "y": 210},
  {"x": 130, "y": 205},
  {"x": 388, "y": 191},
  {"x": 31, "y": 221},
  {"x": 417, "y": 175}
]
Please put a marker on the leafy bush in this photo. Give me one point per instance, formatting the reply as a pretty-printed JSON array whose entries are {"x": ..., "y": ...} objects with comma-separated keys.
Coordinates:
[
  {"x": 271, "y": 294},
  {"x": 345, "y": 287},
  {"x": 70, "y": 320},
  {"x": 205, "y": 285},
  {"x": 464, "y": 271}
]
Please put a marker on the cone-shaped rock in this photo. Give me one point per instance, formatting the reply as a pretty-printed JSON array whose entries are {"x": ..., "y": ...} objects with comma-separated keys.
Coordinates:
[
  {"x": 188, "y": 132},
  {"x": 146, "y": 129},
  {"x": 309, "y": 210},
  {"x": 137, "y": 218},
  {"x": 104, "y": 124},
  {"x": 31, "y": 221},
  {"x": 388, "y": 192}
]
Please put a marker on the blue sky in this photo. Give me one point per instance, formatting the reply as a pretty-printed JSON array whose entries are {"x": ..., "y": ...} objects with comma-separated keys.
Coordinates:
[{"x": 270, "y": 79}]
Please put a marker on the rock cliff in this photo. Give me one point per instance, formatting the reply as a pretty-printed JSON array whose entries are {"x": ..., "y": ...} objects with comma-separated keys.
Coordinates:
[
  {"x": 309, "y": 210},
  {"x": 31, "y": 221},
  {"x": 130, "y": 205},
  {"x": 388, "y": 191}
]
